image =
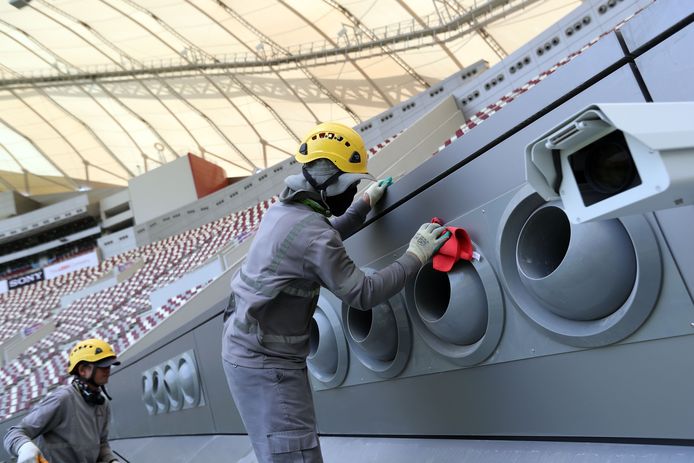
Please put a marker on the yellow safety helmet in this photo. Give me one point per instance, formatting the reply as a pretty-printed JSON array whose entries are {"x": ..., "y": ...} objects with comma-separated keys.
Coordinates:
[
  {"x": 336, "y": 142},
  {"x": 96, "y": 351}
]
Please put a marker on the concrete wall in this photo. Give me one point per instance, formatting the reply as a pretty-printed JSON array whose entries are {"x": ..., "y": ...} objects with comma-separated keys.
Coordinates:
[
  {"x": 13, "y": 203},
  {"x": 163, "y": 189},
  {"x": 117, "y": 242},
  {"x": 46, "y": 217}
]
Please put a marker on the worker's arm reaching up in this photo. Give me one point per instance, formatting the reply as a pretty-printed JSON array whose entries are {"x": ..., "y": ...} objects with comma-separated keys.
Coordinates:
[
  {"x": 328, "y": 262},
  {"x": 349, "y": 222}
]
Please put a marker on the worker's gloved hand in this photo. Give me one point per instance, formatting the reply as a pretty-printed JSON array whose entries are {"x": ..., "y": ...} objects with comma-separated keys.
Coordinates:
[
  {"x": 428, "y": 239},
  {"x": 28, "y": 453},
  {"x": 374, "y": 193}
]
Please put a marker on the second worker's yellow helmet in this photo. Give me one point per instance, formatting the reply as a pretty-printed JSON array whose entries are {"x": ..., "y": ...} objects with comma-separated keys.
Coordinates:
[{"x": 93, "y": 350}]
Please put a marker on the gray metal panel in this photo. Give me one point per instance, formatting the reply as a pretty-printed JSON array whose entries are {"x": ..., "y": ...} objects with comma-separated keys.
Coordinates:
[
  {"x": 599, "y": 57},
  {"x": 677, "y": 225},
  {"x": 667, "y": 68},
  {"x": 185, "y": 449},
  {"x": 378, "y": 450},
  {"x": 208, "y": 341},
  {"x": 654, "y": 20},
  {"x": 129, "y": 416},
  {"x": 639, "y": 390}
]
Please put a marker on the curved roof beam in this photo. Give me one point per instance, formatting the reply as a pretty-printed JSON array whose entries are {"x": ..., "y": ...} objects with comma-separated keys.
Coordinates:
[
  {"x": 484, "y": 14},
  {"x": 71, "y": 66},
  {"x": 440, "y": 43},
  {"x": 346, "y": 55},
  {"x": 40, "y": 151},
  {"x": 283, "y": 51},
  {"x": 132, "y": 60},
  {"x": 235, "y": 79},
  {"x": 64, "y": 138},
  {"x": 372, "y": 36},
  {"x": 173, "y": 91},
  {"x": 72, "y": 115},
  {"x": 210, "y": 81},
  {"x": 251, "y": 50},
  {"x": 453, "y": 5},
  {"x": 26, "y": 173},
  {"x": 86, "y": 127}
]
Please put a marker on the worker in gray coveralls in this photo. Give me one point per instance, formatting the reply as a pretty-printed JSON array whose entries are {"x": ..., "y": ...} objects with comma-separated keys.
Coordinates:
[
  {"x": 273, "y": 296},
  {"x": 71, "y": 424}
]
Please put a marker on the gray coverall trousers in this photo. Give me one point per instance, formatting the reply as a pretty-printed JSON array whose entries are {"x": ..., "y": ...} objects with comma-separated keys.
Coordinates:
[{"x": 277, "y": 409}]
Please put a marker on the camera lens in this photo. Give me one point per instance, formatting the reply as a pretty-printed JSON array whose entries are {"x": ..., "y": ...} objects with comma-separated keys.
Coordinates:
[
  {"x": 610, "y": 168},
  {"x": 604, "y": 168}
]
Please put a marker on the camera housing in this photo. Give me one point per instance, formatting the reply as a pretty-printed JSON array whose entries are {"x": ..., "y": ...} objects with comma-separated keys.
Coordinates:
[{"x": 616, "y": 159}]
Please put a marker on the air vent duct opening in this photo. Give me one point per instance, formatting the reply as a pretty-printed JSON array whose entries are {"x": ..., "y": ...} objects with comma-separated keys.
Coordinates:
[
  {"x": 323, "y": 346},
  {"x": 374, "y": 331},
  {"x": 452, "y": 305},
  {"x": 581, "y": 272},
  {"x": 381, "y": 337},
  {"x": 328, "y": 358},
  {"x": 586, "y": 285}
]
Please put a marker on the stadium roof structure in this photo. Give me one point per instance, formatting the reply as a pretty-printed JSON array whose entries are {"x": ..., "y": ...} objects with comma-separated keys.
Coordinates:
[{"x": 95, "y": 92}]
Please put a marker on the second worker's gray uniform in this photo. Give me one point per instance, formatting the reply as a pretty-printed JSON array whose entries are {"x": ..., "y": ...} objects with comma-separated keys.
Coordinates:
[
  {"x": 266, "y": 337},
  {"x": 65, "y": 428}
]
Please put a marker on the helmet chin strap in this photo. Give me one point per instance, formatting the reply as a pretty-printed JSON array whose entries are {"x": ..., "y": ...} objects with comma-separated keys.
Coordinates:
[
  {"x": 320, "y": 188},
  {"x": 92, "y": 395},
  {"x": 93, "y": 383}
]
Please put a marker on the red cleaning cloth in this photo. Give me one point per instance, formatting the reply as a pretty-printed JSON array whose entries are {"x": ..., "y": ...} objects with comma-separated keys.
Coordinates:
[{"x": 457, "y": 247}]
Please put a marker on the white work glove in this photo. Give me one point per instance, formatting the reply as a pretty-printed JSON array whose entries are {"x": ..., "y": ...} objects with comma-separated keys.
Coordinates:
[
  {"x": 28, "y": 453},
  {"x": 376, "y": 190},
  {"x": 428, "y": 239}
]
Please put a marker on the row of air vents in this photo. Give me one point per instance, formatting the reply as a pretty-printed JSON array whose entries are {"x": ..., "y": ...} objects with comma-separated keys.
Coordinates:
[
  {"x": 172, "y": 386},
  {"x": 602, "y": 9},
  {"x": 547, "y": 46},
  {"x": 365, "y": 127},
  {"x": 519, "y": 65},
  {"x": 468, "y": 74},
  {"x": 492, "y": 83},
  {"x": 436, "y": 92},
  {"x": 408, "y": 106},
  {"x": 577, "y": 26},
  {"x": 386, "y": 117},
  {"x": 460, "y": 313},
  {"x": 474, "y": 95}
]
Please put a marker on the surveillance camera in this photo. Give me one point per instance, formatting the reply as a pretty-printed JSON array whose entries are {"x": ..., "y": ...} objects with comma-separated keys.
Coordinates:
[{"x": 617, "y": 159}]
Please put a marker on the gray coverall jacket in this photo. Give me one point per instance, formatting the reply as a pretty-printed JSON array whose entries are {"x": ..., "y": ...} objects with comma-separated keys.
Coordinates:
[
  {"x": 66, "y": 429},
  {"x": 295, "y": 252}
]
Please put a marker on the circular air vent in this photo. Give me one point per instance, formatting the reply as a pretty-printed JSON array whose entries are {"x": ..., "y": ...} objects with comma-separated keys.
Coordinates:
[
  {"x": 173, "y": 386},
  {"x": 459, "y": 313},
  {"x": 148, "y": 393},
  {"x": 159, "y": 391},
  {"x": 328, "y": 358},
  {"x": 188, "y": 380},
  {"x": 586, "y": 285},
  {"x": 380, "y": 337}
]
